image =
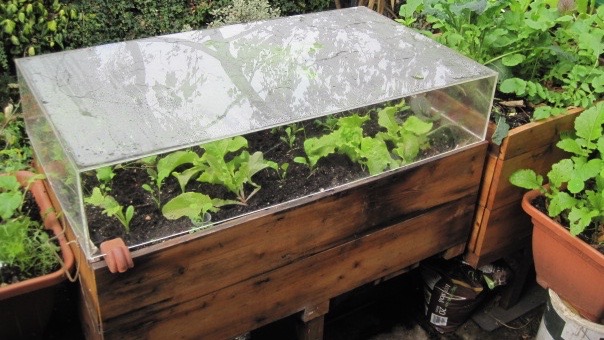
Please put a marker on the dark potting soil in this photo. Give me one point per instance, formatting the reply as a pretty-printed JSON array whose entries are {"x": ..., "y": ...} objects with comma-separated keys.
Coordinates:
[
  {"x": 14, "y": 274},
  {"x": 148, "y": 222},
  {"x": 516, "y": 112}
]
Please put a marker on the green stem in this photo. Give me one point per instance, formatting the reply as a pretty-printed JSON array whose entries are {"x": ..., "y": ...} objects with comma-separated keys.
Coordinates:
[{"x": 504, "y": 55}]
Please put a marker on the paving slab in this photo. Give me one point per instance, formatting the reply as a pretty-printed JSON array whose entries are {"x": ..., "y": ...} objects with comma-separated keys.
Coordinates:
[{"x": 491, "y": 317}]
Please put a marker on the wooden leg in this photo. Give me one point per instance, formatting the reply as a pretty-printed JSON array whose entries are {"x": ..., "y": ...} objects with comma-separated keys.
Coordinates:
[
  {"x": 521, "y": 264},
  {"x": 312, "y": 322},
  {"x": 454, "y": 251}
]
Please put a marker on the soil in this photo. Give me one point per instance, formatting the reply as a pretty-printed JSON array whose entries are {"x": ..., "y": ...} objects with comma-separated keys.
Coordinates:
[
  {"x": 149, "y": 224},
  {"x": 517, "y": 112}
]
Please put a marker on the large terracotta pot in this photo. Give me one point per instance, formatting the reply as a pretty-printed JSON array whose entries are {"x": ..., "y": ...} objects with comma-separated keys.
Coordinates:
[
  {"x": 26, "y": 306},
  {"x": 566, "y": 264}
]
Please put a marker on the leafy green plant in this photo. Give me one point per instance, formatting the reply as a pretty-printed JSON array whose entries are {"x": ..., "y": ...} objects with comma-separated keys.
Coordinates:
[
  {"x": 408, "y": 137},
  {"x": 576, "y": 184},
  {"x": 328, "y": 123},
  {"x": 290, "y": 133},
  {"x": 232, "y": 172},
  {"x": 194, "y": 205},
  {"x": 159, "y": 171},
  {"x": 576, "y": 78},
  {"x": 105, "y": 175},
  {"x": 283, "y": 167},
  {"x": 545, "y": 53},
  {"x": 289, "y": 7},
  {"x": 348, "y": 139},
  {"x": 111, "y": 207},
  {"x": 15, "y": 152},
  {"x": 23, "y": 242}
]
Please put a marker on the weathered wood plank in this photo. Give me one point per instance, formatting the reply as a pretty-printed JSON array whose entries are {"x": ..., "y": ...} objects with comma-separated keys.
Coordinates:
[
  {"x": 529, "y": 146},
  {"x": 539, "y": 159},
  {"x": 195, "y": 265},
  {"x": 507, "y": 230},
  {"x": 537, "y": 134},
  {"x": 286, "y": 290}
]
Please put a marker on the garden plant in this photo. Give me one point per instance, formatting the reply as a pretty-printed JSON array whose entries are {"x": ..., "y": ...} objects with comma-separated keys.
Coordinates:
[
  {"x": 547, "y": 53},
  {"x": 26, "y": 249},
  {"x": 574, "y": 194}
]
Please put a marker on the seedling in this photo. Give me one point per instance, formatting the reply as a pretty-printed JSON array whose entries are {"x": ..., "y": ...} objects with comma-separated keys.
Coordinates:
[
  {"x": 111, "y": 207},
  {"x": 408, "y": 138},
  {"x": 196, "y": 206},
  {"x": 164, "y": 167},
  {"x": 290, "y": 134},
  {"x": 236, "y": 172},
  {"x": 328, "y": 123},
  {"x": 283, "y": 170},
  {"x": 105, "y": 175}
]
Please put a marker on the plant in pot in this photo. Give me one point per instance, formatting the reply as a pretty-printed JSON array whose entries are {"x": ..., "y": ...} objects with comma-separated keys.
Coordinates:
[
  {"x": 30, "y": 266},
  {"x": 568, "y": 217}
]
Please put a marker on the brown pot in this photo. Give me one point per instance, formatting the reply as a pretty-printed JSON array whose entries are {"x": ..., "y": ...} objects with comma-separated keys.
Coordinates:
[
  {"x": 26, "y": 306},
  {"x": 566, "y": 264}
]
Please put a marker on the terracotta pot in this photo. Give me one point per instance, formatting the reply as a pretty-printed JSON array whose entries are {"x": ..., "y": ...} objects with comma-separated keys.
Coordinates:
[
  {"x": 25, "y": 306},
  {"x": 566, "y": 264}
]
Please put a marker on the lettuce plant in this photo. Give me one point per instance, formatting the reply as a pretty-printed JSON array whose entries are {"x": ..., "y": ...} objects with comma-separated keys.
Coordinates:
[
  {"x": 194, "y": 205},
  {"x": 576, "y": 184},
  {"x": 163, "y": 168},
  {"x": 409, "y": 137},
  {"x": 232, "y": 172},
  {"x": 221, "y": 164},
  {"x": 348, "y": 139}
]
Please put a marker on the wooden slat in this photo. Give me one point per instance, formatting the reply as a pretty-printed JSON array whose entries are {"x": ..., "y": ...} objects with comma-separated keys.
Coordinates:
[
  {"x": 195, "y": 265},
  {"x": 537, "y": 134},
  {"x": 287, "y": 290},
  {"x": 508, "y": 229},
  {"x": 502, "y": 192},
  {"x": 530, "y": 146}
]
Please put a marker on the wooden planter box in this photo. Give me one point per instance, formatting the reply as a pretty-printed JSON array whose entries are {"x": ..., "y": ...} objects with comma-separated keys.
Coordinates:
[
  {"x": 500, "y": 225},
  {"x": 286, "y": 259}
]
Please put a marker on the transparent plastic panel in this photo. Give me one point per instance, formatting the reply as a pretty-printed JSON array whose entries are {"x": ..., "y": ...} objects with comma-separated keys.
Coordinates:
[
  {"x": 116, "y": 104},
  {"x": 123, "y": 101},
  {"x": 60, "y": 171}
]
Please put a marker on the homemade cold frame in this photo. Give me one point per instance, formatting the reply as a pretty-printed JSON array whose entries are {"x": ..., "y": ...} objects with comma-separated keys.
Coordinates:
[{"x": 110, "y": 104}]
